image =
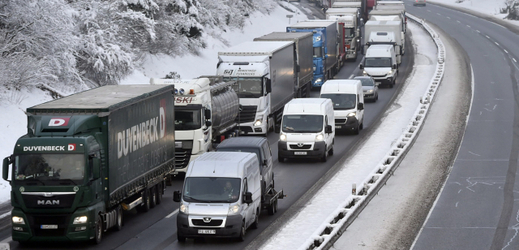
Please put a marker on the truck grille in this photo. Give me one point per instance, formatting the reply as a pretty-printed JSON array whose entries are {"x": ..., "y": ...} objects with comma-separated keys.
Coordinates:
[
  {"x": 247, "y": 114},
  {"x": 182, "y": 157},
  {"x": 295, "y": 146},
  {"x": 200, "y": 222},
  {"x": 38, "y": 220}
]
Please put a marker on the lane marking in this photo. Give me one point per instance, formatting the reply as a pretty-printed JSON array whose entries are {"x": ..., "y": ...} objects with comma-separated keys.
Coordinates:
[
  {"x": 487, "y": 36},
  {"x": 514, "y": 59},
  {"x": 506, "y": 51},
  {"x": 496, "y": 43},
  {"x": 7, "y": 240},
  {"x": 458, "y": 21},
  {"x": 171, "y": 214},
  {"x": 468, "y": 25},
  {"x": 478, "y": 31},
  {"x": 448, "y": 17}
]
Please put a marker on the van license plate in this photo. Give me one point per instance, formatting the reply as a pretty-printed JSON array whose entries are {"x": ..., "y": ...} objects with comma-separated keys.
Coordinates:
[
  {"x": 206, "y": 231},
  {"x": 49, "y": 226},
  {"x": 300, "y": 153},
  {"x": 336, "y": 126}
]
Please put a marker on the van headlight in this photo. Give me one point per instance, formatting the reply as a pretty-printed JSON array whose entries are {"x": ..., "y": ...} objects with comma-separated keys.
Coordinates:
[
  {"x": 18, "y": 220},
  {"x": 390, "y": 72},
  {"x": 352, "y": 114},
  {"x": 283, "y": 137},
  {"x": 369, "y": 91},
  {"x": 183, "y": 208},
  {"x": 234, "y": 209},
  {"x": 80, "y": 220},
  {"x": 364, "y": 72},
  {"x": 319, "y": 137}
]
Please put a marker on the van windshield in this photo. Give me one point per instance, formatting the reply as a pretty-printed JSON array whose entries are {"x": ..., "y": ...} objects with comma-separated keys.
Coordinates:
[
  {"x": 211, "y": 189},
  {"x": 342, "y": 101},
  {"x": 302, "y": 123},
  {"x": 377, "y": 62}
]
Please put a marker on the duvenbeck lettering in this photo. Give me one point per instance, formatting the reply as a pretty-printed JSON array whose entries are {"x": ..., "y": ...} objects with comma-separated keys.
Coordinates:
[{"x": 44, "y": 148}]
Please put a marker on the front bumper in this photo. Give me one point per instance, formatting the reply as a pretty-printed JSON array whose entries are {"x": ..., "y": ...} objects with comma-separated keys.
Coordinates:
[
  {"x": 350, "y": 123},
  {"x": 231, "y": 228},
  {"x": 289, "y": 150}
]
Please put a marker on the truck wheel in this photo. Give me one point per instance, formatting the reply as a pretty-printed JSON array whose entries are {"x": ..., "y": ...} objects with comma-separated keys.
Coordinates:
[
  {"x": 98, "y": 230},
  {"x": 243, "y": 230},
  {"x": 159, "y": 193},
  {"x": 181, "y": 238},
  {"x": 324, "y": 158},
  {"x": 119, "y": 223},
  {"x": 145, "y": 207},
  {"x": 256, "y": 220},
  {"x": 272, "y": 208},
  {"x": 153, "y": 192}
]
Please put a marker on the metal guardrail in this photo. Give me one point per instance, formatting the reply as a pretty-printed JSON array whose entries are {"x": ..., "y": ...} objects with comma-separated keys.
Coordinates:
[{"x": 337, "y": 222}]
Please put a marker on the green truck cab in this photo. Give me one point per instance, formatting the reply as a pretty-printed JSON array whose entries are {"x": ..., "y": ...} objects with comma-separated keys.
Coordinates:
[{"x": 86, "y": 158}]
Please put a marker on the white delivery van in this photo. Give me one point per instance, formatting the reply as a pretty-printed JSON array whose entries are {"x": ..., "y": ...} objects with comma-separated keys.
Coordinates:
[
  {"x": 307, "y": 129},
  {"x": 348, "y": 103},
  {"x": 380, "y": 63},
  {"x": 221, "y": 196}
]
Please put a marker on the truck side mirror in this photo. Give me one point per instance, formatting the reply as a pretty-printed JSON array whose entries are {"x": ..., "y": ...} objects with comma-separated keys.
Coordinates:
[
  {"x": 361, "y": 66},
  {"x": 247, "y": 197},
  {"x": 96, "y": 168},
  {"x": 328, "y": 129},
  {"x": 5, "y": 172},
  {"x": 361, "y": 106},
  {"x": 269, "y": 86},
  {"x": 394, "y": 66},
  {"x": 176, "y": 196},
  {"x": 265, "y": 162}
]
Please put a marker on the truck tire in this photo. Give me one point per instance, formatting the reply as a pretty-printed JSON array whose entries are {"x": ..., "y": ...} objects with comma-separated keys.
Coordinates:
[
  {"x": 324, "y": 158},
  {"x": 98, "y": 230},
  {"x": 153, "y": 198},
  {"x": 119, "y": 222},
  {"x": 243, "y": 230},
  {"x": 159, "y": 193},
  {"x": 145, "y": 207},
  {"x": 272, "y": 208}
]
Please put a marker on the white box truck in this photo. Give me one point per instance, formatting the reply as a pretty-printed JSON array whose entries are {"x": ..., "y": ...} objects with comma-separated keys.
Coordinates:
[
  {"x": 348, "y": 103},
  {"x": 389, "y": 15},
  {"x": 381, "y": 64},
  {"x": 307, "y": 129},
  {"x": 221, "y": 196},
  {"x": 206, "y": 109},
  {"x": 265, "y": 81},
  {"x": 385, "y": 32}
]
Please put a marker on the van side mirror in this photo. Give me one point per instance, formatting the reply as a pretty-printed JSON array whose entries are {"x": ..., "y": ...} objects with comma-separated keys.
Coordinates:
[
  {"x": 269, "y": 86},
  {"x": 5, "y": 172},
  {"x": 207, "y": 113},
  {"x": 265, "y": 162},
  {"x": 361, "y": 66},
  {"x": 176, "y": 196},
  {"x": 361, "y": 106},
  {"x": 394, "y": 66},
  {"x": 208, "y": 123},
  {"x": 247, "y": 197},
  {"x": 328, "y": 129}
]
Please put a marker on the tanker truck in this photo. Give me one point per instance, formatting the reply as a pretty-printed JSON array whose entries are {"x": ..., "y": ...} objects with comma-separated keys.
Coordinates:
[
  {"x": 86, "y": 158},
  {"x": 206, "y": 109}
]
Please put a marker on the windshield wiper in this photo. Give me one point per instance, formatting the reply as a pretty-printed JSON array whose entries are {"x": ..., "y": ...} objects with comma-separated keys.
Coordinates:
[
  {"x": 34, "y": 181},
  {"x": 194, "y": 199}
]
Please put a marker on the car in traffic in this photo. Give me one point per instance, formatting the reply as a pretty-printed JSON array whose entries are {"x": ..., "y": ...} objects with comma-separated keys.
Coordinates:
[
  {"x": 369, "y": 88},
  {"x": 419, "y": 2}
]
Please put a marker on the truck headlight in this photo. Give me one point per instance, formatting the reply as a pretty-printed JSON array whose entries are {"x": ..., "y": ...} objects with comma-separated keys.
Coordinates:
[
  {"x": 258, "y": 122},
  {"x": 80, "y": 220},
  {"x": 319, "y": 137},
  {"x": 234, "y": 209},
  {"x": 318, "y": 80},
  {"x": 183, "y": 208},
  {"x": 18, "y": 220},
  {"x": 283, "y": 137},
  {"x": 352, "y": 114},
  {"x": 390, "y": 72}
]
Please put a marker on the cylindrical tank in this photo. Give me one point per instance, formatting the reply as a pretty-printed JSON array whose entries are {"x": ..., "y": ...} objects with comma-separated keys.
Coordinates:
[{"x": 225, "y": 107}]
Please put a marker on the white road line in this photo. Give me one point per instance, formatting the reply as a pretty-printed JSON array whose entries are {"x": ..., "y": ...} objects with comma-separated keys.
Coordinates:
[
  {"x": 487, "y": 36},
  {"x": 171, "y": 214},
  {"x": 5, "y": 215},
  {"x": 514, "y": 59},
  {"x": 478, "y": 31},
  {"x": 496, "y": 43},
  {"x": 448, "y": 17},
  {"x": 468, "y": 26},
  {"x": 506, "y": 51},
  {"x": 458, "y": 21},
  {"x": 6, "y": 240}
]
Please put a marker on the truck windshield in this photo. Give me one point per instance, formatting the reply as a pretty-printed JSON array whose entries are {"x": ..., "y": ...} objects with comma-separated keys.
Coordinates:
[
  {"x": 211, "y": 189},
  {"x": 349, "y": 33},
  {"x": 318, "y": 52},
  {"x": 49, "y": 167},
  {"x": 377, "y": 62},
  {"x": 302, "y": 123},
  {"x": 188, "y": 119},
  {"x": 248, "y": 87},
  {"x": 341, "y": 101}
]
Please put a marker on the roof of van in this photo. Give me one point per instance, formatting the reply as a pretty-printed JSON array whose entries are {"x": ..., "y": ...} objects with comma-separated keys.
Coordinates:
[
  {"x": 305, "y": 105},
  {"x": 340, "y": 86},
  {"x": 242, "y": 141},
  {"x": 220, "y": 164}
]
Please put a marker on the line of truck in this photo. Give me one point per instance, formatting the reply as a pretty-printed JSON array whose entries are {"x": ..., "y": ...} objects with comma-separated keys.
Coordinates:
[{"x": 89, "y": 156}]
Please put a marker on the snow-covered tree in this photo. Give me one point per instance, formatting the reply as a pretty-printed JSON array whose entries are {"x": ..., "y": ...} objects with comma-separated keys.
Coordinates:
[{"x": 512, "y": 7}]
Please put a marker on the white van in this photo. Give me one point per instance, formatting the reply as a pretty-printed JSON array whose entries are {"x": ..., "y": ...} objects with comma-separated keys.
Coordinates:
[
  {"x": 380, "y": 63},
  {"x": 307, "y": 129},
  {"x": 221, "y": 196},
  {"x": 348, "y": 103}
]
